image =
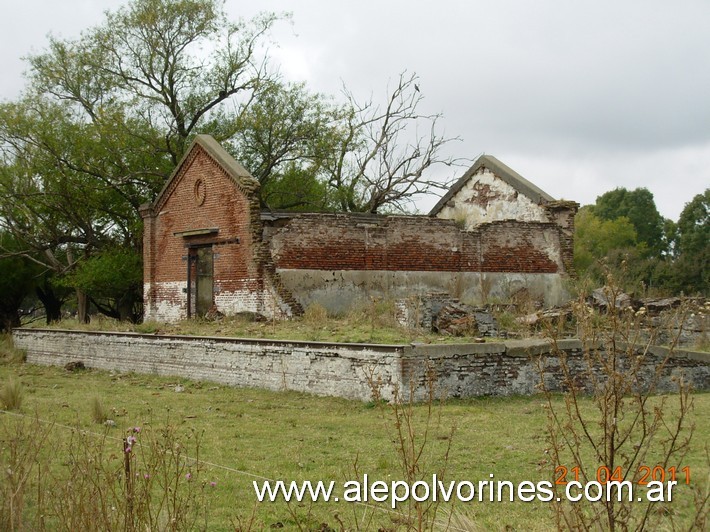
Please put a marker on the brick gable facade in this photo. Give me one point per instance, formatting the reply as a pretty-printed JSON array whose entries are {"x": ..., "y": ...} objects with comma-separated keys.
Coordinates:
[{"x": 207, "y": 247}]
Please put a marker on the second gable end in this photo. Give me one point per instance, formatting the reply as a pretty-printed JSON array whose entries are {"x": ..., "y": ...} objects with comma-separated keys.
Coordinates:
[{"x": 490, "y": 192}]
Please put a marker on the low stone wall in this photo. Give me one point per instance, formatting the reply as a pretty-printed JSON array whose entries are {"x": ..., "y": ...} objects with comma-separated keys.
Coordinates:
[
  {"x": 318, "y": 368},
  {"x": 342, "y": 370},
  {"x": 515, "y": 367}
]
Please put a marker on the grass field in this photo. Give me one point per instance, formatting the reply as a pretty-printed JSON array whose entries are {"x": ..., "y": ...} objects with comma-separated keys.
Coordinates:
[
  {"x": 368, "y": 324},
  {"x": 292, "y": 436}
]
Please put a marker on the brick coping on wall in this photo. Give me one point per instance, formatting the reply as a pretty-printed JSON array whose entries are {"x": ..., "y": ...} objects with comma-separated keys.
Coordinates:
[{"x": 512, "y": 348}]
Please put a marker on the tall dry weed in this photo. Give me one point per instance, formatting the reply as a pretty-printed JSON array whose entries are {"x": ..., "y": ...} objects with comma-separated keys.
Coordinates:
[{"x": 611, "y": 423}]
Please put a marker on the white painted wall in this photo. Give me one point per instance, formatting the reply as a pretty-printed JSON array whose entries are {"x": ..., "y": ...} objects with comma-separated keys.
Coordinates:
[{"x": 486, "y": 198}]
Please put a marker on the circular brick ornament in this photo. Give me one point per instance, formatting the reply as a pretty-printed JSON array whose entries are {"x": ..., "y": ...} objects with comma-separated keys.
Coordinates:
[{"x": 200, "y": 192}]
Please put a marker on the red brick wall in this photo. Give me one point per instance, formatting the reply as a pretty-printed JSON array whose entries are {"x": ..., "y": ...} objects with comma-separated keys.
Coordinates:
[
  {"x": 225, "y": 207},
  {"x": 525, "y": 247},
  {"x": 414, "y": 243}
]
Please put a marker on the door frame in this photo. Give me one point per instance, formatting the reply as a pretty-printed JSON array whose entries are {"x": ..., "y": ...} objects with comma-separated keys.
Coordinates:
[{"x": 192, "y": 258}]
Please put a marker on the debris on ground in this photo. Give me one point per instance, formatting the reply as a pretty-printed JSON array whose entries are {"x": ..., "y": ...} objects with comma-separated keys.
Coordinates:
[
  {"x": 441, "y": 313},
  {"x": 600, "y": 298},
  {"x": 555, "y": 313},
  {"x": 454, "y": 319},
  {"x": 77, "y": 365},
  {"x": 658, "y": 305}
]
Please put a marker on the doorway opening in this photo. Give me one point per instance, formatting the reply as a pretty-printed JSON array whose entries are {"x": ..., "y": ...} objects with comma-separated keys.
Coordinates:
[{"x": 200, "y": 281}]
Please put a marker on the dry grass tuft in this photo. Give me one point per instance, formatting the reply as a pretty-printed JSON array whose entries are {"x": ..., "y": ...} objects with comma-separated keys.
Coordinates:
[
  {"x": 11, "y": 394},
  {"x": 8, "y": 353},
  {"x": 99, "y": 414},
  {"x": 315, "y": 314}
]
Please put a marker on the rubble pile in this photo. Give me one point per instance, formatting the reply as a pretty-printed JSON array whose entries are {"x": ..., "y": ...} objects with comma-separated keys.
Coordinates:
[
  {"x": 660, "y": 319},
  {"x": 443, "y": 314}
]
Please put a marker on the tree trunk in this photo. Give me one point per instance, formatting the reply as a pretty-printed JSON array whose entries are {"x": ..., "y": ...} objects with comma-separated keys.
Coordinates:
[
  {"x": 82, "y": 307},
  {"x": 52, "y": 304},
  {"x": 8, "y": 320}
]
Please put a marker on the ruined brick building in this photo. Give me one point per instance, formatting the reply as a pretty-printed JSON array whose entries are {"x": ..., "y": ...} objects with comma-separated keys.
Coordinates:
[{"x": 208, "y": 245}]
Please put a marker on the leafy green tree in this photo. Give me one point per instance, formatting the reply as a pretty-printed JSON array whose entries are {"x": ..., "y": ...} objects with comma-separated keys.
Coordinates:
[
  {"x": 596, "y": 238},
  {"x": 113, "y": 282},
  {"x": 692, "y": 267},
  {"x": 18, "y": 278},
  {"x": 298, "y": 189},
  {"x": 147, "y": 62},
  {"x": 640, "y": 209},
  {"x": 54, "y": 202},
  {"x": 670, "y": 237},
  {"x": 106, "y": 117},
  {"x": 284, "y": 137},
  {"x": 603, "y": 246}
]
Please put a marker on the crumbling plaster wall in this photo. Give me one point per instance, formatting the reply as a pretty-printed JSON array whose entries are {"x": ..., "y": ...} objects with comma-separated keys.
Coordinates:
[
  {"x": 340, "y": 290},
  {"x": 342, "y": 260},
  {"x": 487, "y": 198}
]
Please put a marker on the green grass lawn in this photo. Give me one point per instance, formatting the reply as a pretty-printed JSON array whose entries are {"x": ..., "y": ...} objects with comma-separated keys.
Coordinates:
[{"x": 294, "y": 436}]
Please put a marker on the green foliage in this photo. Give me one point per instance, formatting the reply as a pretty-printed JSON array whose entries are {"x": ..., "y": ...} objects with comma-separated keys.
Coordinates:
[
  {"x": 295, "y": 189},
  {"x": 694, "y": 225},
  {"x": 107, "y": 116},
  {"x": 595, "y": 237},
  {"x": 51, "y": 158},
  {"x": 283, "y": 138},
  {"x": 101, "y": 126},
  {"x": 146, "y": 61},
  {"x": 610, "y": 232},
  {"x": 640, "y": 209},
  {"x": 113, "y": 279},
  {"x": 108, "y": 273},
  {"x": 692, "y": 267},
  {"x": 18, "y": 277}
]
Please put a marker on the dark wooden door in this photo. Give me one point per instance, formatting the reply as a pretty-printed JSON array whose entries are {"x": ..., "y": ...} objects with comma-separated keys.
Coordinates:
[{"x": 204, "y": 286}]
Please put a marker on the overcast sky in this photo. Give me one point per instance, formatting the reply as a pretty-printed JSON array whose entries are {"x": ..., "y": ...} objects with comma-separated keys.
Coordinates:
[{"x": 578, "y": 97}]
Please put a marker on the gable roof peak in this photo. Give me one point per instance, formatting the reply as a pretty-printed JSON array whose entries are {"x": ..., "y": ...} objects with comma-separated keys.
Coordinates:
[
  {"x": 500, "y": 170},
  {"x": 240, "y": 175}
]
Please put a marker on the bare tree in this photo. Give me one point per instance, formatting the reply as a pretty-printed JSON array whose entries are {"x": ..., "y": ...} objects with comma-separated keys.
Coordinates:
[{"x": 386, "y": 152}]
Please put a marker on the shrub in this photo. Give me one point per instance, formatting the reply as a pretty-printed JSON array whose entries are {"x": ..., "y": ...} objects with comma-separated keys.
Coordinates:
[
  {"x": 628, "y": 427},
  {"x": 151, "y": 479}
]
